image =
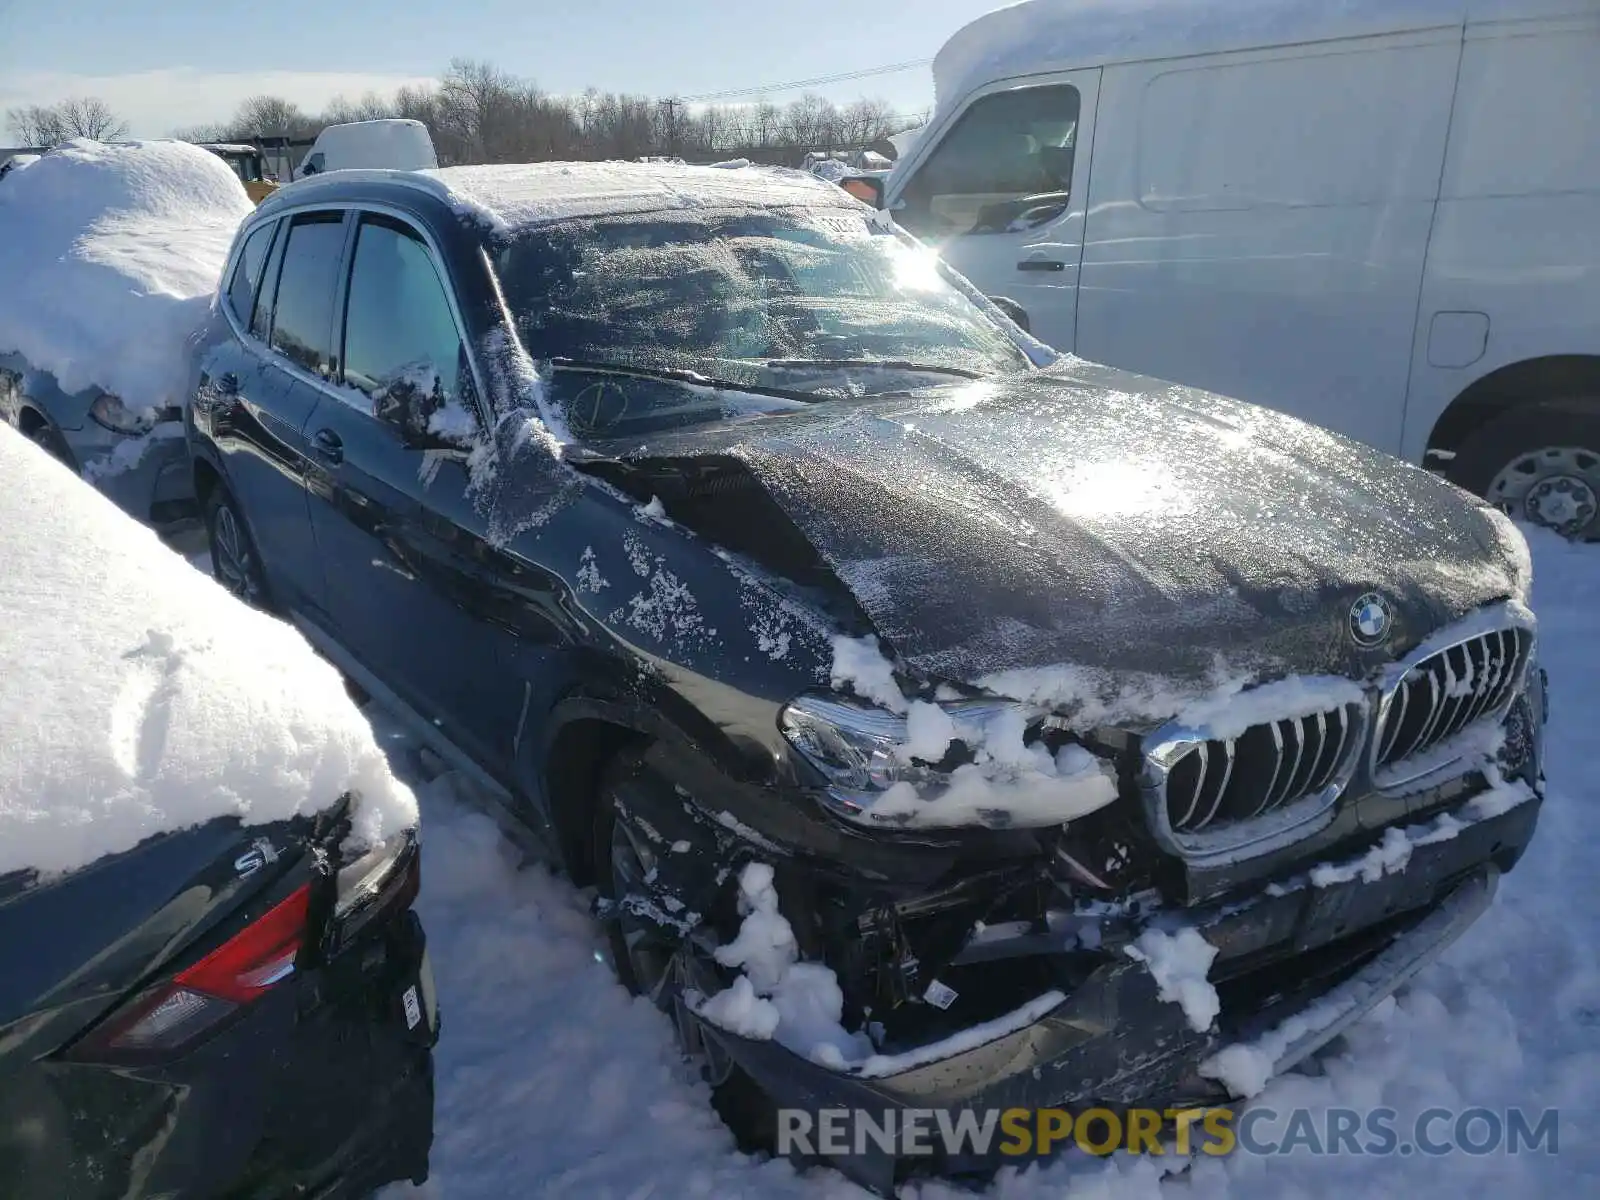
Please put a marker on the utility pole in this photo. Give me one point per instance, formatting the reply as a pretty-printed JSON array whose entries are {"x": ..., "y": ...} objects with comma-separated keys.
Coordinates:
[{"x": 670, "y": 105}]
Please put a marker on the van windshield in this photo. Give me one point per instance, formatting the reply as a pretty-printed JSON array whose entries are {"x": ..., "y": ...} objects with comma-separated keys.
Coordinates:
[{"x": 794, "y": 304}]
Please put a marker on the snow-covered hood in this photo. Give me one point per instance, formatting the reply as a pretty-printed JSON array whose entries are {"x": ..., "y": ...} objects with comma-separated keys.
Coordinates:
[{"x": 1087, "y": 518}]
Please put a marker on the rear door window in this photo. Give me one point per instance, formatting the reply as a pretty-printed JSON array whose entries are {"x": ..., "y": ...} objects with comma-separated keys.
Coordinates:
[
  {"x": 247, "y": 272},
  {"x": 302, "y": 315}
]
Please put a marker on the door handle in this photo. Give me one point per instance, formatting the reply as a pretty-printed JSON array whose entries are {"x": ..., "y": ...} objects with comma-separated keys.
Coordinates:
[
  {"x": 1041, "y": 264},
  {"x": 328, "y": 446}
]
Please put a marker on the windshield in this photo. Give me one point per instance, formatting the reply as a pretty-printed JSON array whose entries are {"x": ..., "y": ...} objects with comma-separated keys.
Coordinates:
[{"x": 798, "y": 305}]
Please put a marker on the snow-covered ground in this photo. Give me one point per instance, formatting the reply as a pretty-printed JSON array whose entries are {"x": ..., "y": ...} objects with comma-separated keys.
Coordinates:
[{"x": 552, "y": 1081}]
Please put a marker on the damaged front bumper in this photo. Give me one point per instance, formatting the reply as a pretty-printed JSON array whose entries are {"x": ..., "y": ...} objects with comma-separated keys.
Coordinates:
[{"x": 1295, "y": 965}]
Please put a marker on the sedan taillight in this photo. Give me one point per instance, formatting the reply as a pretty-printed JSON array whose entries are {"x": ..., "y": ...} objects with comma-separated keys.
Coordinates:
[{"x": 172, "y": 1015}]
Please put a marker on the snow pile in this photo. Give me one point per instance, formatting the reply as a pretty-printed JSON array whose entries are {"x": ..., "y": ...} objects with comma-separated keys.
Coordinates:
[
  {"x": 799, "y": 1004},
  {"x": 137, "y": 697},
  {"x": 120, "y": 248},
  {"x": 1179, "y": 963}
]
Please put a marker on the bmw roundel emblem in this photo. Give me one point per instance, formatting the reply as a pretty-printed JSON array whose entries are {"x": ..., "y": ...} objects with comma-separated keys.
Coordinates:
[{"x": 1371, "y": 620}]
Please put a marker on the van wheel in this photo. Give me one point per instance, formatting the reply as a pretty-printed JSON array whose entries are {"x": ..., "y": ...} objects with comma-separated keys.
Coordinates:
[
  {"x": 1539, "y": 463},
  {"x": 235, "y": 563},
  {"x": 653, "y": 963}
]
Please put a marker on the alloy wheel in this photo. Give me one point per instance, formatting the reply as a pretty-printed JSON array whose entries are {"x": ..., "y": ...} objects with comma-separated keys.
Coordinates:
[{"x": 231, "y": 558}]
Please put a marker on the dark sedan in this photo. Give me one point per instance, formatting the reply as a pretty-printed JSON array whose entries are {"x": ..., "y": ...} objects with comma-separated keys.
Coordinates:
[
  {"x": 212, "y": 982},
  {"x": 895, "y": 683}
]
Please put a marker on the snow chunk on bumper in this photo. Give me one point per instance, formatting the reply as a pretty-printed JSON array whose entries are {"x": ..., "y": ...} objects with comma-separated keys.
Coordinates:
[
  {"x": 1179, "y": 963},
  {"x": 798, "y": 1004}
]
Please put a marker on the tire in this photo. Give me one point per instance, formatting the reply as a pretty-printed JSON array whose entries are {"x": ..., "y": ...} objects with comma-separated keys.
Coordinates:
[
  {"x": 745, "y": 1109},
  {"x": 1540, "y": 463},
  {"x": 235, "y": 562},
  {"x": 49, "y": 439}
]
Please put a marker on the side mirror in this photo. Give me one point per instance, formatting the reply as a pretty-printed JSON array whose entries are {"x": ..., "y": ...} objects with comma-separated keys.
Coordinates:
[
  {"x": 423, "y": 420},
  {"x": 866, "y": 188},
  {"x": 1018, "y": 314}
]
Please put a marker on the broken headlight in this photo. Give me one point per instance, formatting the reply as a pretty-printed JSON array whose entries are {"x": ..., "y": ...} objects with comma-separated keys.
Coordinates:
[
  {"x": 863, "y": 751},
  {"x": 111, "y": 413}
]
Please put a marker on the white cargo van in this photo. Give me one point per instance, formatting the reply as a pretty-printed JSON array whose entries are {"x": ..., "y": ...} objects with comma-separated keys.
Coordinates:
[
  {"x": 392, "y": 144},
  {"x": 1381, "y": 215}
]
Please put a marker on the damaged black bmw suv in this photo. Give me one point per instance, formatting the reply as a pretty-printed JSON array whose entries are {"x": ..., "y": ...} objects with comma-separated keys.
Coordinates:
[{"x": 943, "y": 725}]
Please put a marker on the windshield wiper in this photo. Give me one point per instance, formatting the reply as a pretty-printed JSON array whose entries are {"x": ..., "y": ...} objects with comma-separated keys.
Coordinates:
[
  {"x": 680, "y": 375},
  {"x": 887, "y": 364}
]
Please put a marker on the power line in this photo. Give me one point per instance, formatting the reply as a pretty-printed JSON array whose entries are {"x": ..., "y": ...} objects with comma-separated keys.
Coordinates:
[{"x": 817, "y": 81}]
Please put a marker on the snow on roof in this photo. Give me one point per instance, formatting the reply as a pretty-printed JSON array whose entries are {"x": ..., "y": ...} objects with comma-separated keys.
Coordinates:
[
  {"x": 1051, "y": 35},
  {"x": 120, "y": 247},
  {"x": 378, "y": 123},
  {"x": 138, "y": 697},
  {"x": 510, "y": 197},
  {"x": 227, "y": 147}
]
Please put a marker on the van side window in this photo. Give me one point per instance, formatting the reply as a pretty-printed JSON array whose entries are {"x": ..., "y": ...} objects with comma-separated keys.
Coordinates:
[
  {"x": 247, "y": 272},
  {"x": 302, "y": 317},
  {"x": 1007, "y": 164},
  {"x": 401, "y": 344}
]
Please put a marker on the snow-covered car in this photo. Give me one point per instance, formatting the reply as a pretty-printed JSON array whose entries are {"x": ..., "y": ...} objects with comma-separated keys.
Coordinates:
[
  {"x": 119, "y": 248},
  {"x": 16, "y": 163},
  {"x": 831, "y": 169},
  {"x": 944, "y": 724},
  {"x": 391, "y": 142},
  {"x": 211, "y": 979}
]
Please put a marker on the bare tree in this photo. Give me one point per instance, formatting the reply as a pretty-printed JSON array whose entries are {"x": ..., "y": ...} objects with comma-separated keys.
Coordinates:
[
  {"x": 480, "y": 113},
  {"x": 91, "y": 117},
  {"x": 271, "y": 116},
  {"x": 475, "y": 102},
  {"x": 50, "y": 125},
  {"x": 371, "y": 107}
]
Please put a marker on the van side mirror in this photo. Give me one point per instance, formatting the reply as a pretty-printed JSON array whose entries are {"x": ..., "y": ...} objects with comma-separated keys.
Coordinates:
[
  {"x": 867, "y": 188},
  {"x": 1018, "y": 314}
]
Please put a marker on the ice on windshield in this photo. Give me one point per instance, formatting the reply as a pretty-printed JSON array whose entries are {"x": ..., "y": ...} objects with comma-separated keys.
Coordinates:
[{"x": 806, "y": 301}]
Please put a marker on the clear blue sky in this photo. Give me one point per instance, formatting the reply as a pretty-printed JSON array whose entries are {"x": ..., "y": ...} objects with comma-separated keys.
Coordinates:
[{"x": 169, "y": 63}]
